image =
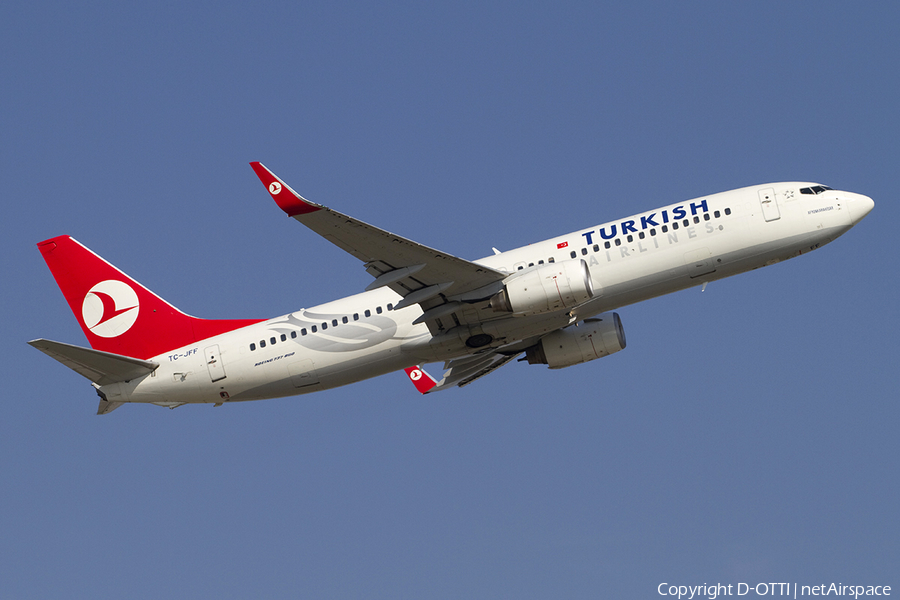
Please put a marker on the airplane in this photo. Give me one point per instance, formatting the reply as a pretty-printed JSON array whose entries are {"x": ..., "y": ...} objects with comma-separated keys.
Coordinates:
[{"x": 551, "y": 301}]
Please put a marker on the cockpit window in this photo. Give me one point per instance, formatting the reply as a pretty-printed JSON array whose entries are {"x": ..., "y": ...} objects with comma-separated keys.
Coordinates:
[{"x": 816, "y": 189}]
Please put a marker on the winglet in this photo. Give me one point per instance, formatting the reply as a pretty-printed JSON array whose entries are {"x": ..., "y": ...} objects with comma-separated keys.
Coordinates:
[
  {"x": 289, "y": 201},
  {"x": 422, "y": 380}
]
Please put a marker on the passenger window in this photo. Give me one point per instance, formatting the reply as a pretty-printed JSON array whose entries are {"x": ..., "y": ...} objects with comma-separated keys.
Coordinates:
[
  {"x": 293, "y": 335},
  {"x": 368, "y": 313},
  {"x": 618, "y": 242},
  {"x": 344, "y": 320},
  {"x": 252, "y": 347},
  {"x": 572, "y": 254},
  {"x": 727, "y": 211},
  {"x": 584, "y": 251},
  {"x": 674, "y": 225},
  {"x": 520, "y": 267},
  {"x": 717, "y": 214},
  {"x": 378, "y": 309},
  {"x": 303, "y": 331},
  {"x": 324, "y": 326},
  {"x": 665, "y": 228},
  {"x": 540, "y": 262},
  {"x": 706, "y": 216},
  {"x": 641, "y": 235},
  {"x": 283, "y": 337},
  {"x": 314, "y": 329},
  {"x": 356, "y": 316},
  {"x": 606, "y": 245},
  {"x": 334, "y": 322},
  {"x": 652, "y": 232},
  {"x": 272, "y": 341},
  {"x": 551, "y": 259},
  {"x": 390, "y": 307},
  {"x": 630, "y": 238},
  {"x": 262, "y": 343},
  {"x": 530, "y": 264},
  {"x": 696, "y": 220},
  {"x": 596, "y": 247},
  {"x": 686, "y": 222}
]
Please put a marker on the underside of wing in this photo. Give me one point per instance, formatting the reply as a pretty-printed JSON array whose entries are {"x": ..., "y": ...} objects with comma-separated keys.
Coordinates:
[
  {"x": 463, "y": 371},
  {"x": 460, "y": 372}
]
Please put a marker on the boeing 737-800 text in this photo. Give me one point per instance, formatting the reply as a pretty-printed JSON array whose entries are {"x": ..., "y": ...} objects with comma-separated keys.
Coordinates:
[{"x": 550, "y": 301}]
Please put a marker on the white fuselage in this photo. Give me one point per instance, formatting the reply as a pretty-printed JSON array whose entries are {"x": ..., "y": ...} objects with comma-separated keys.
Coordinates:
[{"x": 632, "y": 259}]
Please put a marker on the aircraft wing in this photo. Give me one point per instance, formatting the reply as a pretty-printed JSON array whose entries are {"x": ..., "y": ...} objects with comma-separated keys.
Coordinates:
[
  {"x": 463, "y": 371},
  {"x": 437, "y": 281},
  {"x": 460, "y": 371}
]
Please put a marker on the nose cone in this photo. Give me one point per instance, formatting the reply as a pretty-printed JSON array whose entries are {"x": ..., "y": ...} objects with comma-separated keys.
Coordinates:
[{"x": 859, "y": 207}]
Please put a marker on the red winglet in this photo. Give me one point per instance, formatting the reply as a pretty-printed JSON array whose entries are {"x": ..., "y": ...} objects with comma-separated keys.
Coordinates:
[
  {"x": 290, "y": 202},
  {"x": 422, "y": 380}
]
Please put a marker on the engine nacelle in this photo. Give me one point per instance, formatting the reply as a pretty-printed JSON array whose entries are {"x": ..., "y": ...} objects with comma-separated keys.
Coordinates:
[
  {"x": 549, "y": 287},
  {"x": 594, "y": 338}
]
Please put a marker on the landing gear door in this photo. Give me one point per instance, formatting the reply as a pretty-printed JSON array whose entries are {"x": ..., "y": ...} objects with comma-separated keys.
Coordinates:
[
  {"x": 214, "y": 363},
  {"x": 769, "y": 204}
]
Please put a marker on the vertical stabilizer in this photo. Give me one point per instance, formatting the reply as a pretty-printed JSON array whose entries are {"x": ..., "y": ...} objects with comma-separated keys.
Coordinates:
[{"x": 116, "y": 313}]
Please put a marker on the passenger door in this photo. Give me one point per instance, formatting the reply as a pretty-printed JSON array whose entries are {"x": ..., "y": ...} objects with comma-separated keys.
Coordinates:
[
  {"x": 769, "y": 204},
  {"x": 214, "y": 363}
]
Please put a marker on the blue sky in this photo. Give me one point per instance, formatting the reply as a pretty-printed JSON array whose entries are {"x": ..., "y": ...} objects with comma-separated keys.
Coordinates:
[{"x": 746, "y": 434}]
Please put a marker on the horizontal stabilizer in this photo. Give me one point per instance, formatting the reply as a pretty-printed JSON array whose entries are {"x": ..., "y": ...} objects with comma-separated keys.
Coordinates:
[
  {"x": 107, "y": 407},
  {"x": 100, "y": 367}
]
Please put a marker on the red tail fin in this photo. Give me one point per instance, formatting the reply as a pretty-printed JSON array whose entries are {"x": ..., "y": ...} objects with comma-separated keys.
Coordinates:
[{"x": 116, "y": 313}]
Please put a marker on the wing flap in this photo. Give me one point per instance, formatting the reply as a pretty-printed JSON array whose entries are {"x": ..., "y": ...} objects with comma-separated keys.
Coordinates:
[{"x": 464, "y": 374}]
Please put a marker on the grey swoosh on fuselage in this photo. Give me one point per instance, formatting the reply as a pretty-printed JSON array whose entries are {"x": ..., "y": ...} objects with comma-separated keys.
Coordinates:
[{"x": 354, "y": 335}]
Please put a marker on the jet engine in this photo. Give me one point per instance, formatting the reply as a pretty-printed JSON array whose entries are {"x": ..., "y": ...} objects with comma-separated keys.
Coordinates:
[
  {"x": 593, "y": 338},
  {"x": 547, "y": 288}
]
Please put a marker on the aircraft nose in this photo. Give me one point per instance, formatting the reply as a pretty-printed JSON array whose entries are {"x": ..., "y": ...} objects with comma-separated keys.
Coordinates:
[{"x": 860, "y": 206}]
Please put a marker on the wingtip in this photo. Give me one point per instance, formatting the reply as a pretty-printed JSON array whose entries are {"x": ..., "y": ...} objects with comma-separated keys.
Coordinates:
[
  {"x": 287, "y": 199},
  {"x": 421, "y": 379}
]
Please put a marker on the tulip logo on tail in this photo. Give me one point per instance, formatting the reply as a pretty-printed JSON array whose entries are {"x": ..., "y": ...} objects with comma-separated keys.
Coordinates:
[{"x": 110, "y": 308}]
